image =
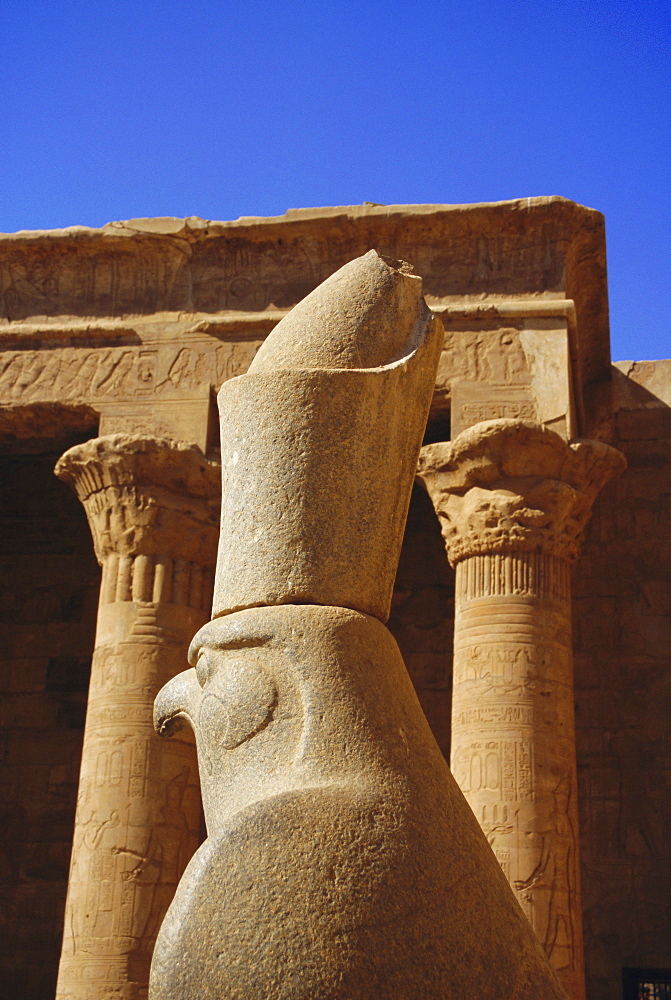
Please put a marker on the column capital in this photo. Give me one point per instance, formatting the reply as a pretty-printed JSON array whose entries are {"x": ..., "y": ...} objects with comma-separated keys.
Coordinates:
[
  {"x": 145, "y": 495},
  {"x": 507, "y": 486}
]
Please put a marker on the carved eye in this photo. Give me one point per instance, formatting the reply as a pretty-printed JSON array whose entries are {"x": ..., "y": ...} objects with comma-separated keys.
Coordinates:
[
  {"x": 203, "y": 668},
  {"x": 239, "y": 703}
]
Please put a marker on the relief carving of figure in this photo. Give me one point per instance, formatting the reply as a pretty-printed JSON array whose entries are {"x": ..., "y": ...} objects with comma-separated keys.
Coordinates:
[{"x": 555, "y": 873}]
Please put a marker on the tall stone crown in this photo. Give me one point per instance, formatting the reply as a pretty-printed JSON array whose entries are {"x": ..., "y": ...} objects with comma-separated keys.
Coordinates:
[{"x": 313, "y": 510}]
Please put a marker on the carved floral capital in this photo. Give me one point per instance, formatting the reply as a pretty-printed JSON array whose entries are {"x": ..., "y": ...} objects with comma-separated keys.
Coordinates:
[
  {"x": 146, "y": 496},
  {"x": 515, "y": 486}
]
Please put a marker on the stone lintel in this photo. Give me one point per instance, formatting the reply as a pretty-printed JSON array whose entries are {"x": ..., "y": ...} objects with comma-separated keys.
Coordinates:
[{"x": 527, "y": 248}]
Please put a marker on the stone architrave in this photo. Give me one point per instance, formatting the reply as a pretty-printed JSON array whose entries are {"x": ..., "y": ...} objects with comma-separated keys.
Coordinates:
[
  {"x": 342, "y": 862},
  {"x": 513, "y": 499},
  {"x": 152, "y": 507}
]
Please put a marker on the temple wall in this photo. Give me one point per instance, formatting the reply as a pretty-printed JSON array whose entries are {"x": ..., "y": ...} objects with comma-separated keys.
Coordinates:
[
  {"x": 49, "y": 583},
  {"x": 422, "y": 615},
  {"x": 622, "y": 640}
]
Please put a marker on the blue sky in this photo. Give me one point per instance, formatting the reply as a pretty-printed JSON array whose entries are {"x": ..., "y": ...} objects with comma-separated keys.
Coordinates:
[{"x": 122, "y": 109}]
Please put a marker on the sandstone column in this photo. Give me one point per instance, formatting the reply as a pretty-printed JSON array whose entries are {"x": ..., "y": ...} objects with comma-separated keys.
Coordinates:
[
  {"x": 513, "y": 499},
  {"x": 152, "y": 507}
]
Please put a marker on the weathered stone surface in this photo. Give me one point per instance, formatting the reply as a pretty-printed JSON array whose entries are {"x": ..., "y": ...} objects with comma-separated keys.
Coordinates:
[
  {"x": 330, "y": 414},
  {"x": 152, "y": 509},
  {"x": 341, "y": 860},
  {"x": 513, "y": 499}
]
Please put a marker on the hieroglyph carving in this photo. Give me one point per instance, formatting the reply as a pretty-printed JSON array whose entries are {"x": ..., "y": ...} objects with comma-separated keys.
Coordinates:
[
  {"x": 493, "y": 357},
  {"x": 514, "y": 755},
  {"x": 64, "y": 374}
]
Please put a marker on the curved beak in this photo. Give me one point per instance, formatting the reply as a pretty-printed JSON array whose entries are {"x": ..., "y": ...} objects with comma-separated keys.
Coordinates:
[{"x": 177, "y": 703}]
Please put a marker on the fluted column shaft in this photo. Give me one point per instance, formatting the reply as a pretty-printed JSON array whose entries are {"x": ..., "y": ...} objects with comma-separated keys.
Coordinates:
[
  {"x": 513, "y": 499},
  {"x": 152, "y": 508}
]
